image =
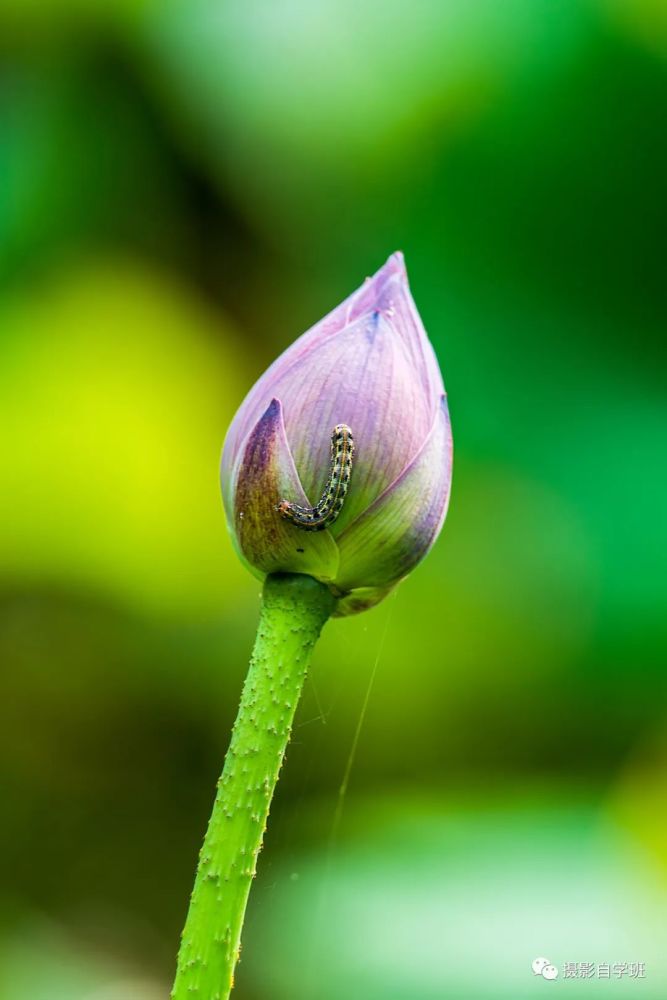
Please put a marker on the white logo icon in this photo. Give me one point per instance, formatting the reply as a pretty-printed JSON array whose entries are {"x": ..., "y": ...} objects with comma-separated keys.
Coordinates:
[{"x": 543, "y": 967}]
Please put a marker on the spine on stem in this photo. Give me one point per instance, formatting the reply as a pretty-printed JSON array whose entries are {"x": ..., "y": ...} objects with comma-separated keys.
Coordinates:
[{"x": 294, "y": 609}]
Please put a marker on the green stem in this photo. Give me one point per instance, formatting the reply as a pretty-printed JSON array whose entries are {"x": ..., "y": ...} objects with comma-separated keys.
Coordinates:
[{"x": 294, "y": 609}]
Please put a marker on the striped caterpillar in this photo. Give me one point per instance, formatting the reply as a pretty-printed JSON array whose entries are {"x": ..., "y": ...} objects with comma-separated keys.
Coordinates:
[{"x": 331, "y": 502}]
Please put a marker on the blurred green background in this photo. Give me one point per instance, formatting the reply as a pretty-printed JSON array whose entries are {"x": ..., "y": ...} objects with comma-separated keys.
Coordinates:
[{"x": 185, "y": 188}]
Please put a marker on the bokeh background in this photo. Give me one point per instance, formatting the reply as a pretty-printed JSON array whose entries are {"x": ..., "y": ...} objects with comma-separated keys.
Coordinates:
[{"x": 184, "y": 189}]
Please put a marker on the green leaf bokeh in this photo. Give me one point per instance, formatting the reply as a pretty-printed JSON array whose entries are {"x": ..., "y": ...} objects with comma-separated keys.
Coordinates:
[{"x": 186, "y": 188}]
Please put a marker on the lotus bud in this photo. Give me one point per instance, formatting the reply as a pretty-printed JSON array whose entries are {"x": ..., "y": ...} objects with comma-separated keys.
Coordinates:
[{"x": 338, "y": 462}]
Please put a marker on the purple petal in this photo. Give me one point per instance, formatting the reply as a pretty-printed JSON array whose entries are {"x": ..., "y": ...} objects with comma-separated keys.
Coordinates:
[
  {"x": 363, "y": 377},
  {"x": 265, "y": 475},
  {"x": 396, "y": 532},
  {"x": 389, "y": 292},
  {"x": 367, "y": 364}
]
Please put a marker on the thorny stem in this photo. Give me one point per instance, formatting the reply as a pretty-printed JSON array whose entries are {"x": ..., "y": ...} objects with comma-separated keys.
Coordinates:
[{"x": 294, "y": 609}]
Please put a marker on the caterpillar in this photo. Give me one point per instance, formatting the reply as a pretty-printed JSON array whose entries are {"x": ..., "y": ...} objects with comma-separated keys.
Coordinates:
[{"x": 331, "y": 502}]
